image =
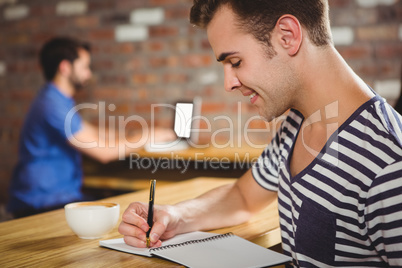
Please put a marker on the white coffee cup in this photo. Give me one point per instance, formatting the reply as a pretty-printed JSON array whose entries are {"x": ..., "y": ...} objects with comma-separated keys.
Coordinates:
[{"x": 91, "y": 220}]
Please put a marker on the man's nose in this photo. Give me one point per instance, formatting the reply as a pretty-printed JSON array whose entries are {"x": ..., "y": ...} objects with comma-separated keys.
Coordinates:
[{"x": 231, "y": 81}]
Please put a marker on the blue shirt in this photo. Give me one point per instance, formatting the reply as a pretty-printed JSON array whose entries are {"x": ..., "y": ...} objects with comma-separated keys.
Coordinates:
[{"x": 49, "y": 172}]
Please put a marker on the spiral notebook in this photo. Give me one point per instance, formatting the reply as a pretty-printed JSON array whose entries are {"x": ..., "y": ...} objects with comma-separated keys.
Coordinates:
[{"x": 207, "y": 250}]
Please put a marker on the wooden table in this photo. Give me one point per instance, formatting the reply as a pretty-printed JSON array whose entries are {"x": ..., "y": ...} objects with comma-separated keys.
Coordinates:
[
  {"x": 45, "y": 240},
  {"x": 210, "y": 153}
]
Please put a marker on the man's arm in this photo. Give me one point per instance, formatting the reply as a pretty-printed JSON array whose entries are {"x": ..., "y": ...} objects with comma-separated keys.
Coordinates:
[
  {"x": 92, "y": 142},
  {"x": 224, "y": 206}
]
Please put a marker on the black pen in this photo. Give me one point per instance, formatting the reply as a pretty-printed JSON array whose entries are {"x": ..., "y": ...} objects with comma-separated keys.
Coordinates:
[{"x": 151, "y": 210}]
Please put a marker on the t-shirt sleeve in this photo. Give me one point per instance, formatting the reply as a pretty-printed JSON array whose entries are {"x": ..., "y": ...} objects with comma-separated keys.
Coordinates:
[
  {"x": 384, "y": 214},
  {"x": 266, "y": 170},
  {"x": 65, "y": 120}
]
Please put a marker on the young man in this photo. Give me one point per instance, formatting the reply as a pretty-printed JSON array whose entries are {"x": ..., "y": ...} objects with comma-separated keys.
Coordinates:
[
  {"x": 49, "y": 174},
  {"x": 336, "y": 162}
]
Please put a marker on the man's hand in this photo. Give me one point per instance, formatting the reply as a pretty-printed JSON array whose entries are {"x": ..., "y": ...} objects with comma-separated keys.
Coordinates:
[{"x": 134, "y": 225}]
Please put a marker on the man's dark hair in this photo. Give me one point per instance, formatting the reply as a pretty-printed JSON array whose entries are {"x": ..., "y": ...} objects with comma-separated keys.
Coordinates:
[
  {"x": 259, "y": 17},
  {"x": 56, "y": 50}
]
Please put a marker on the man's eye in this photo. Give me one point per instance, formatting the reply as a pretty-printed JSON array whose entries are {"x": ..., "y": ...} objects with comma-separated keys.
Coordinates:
[{"x": 236, "y": 64}]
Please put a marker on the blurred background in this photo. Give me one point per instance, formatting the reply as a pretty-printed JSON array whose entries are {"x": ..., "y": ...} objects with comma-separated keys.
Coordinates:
[{"x": 145, "y": 52}]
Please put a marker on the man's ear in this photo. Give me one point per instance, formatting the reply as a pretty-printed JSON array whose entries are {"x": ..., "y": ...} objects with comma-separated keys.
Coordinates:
[
  {"x": 290, "y": 33},
  {"x": 65, "y": 68}
]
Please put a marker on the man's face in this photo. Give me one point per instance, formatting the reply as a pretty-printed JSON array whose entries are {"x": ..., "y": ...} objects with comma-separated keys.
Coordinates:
[
  {"x": 269, "y": 83},
  {"x": 81, "y": 72}
]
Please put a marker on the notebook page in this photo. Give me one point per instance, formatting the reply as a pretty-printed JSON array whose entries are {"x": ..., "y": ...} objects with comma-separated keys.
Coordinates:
[
  {"x": 120, "y": 245},
  {"x": 230, "y": 251}
]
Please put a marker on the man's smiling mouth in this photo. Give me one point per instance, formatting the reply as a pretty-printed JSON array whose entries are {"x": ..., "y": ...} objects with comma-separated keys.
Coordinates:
[{"x": 253, "y": 97}]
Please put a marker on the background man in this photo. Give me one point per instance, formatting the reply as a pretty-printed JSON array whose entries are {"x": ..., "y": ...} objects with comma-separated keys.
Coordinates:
[
  {"x": 336, "y": 162},
  {"x": 49, "y": 174}
]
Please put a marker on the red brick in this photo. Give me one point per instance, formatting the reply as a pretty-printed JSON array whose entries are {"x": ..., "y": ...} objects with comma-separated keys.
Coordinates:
[
  {"x": 55, "y": 24},
  {"x": 116, "y": 19},
  {"x": 194, "y": 60},
  {"x": 116, "y": 79},
  {"x": 118, "y": 48},
  {"x": 42, "y": 37},
  {"x": 175, "y": 78},
  {"x": 177, "y": 13},
  {"x": 356, "y": 51},
  {"x": 105, "y": 93},
  {"x": 154, "y": 46},
  {"x": 143, "y": 108},
  {"x": 388, "y": 69},
  {"x": 387, "y": 13},
  {"x": 47, "y": 9},
  {"x": 127, "y": 94},
  {"x": 17, "y": 39},
  {"x": 141, "y": 93},
  {"x": 105, "y": 64},
  {"x": 162, "y": 92},
  {"x": 86, "y": 22},
  {"x": 208, "y": 108},
  {"x": 27, "y": 25},
  {"x": 382, "y": 32},
  {"x": 121, "y": 109},
  {"x": 12, "y": 109},
  {"x": 134, "y": 64},
  {"x": 82, "y": 96},
  {"x": 388, "y": 50},
  {"x": 181, "y": 45},
  {"x": 380, "y": 69},
  {"x": 208, "y": 92},
  {"x": 145, "y": 79},
  {"x": 21, "y": 67},
  {"x": 158, "y": 62},
  {"x": 163, "y": 2},
  {"x": 125, "y": 48},
  {"x": 339, "y": 3},
  {"x": 101, "y": 5},
  {"x": 163, "y": 31},
  {"x": 24, "y": 54},
  {"x": 26, "y": 95},
  {"x": 172, "y": 61},
  {"x": 130, "y": 4},
  {"x": 101, "y": 34},
  {"x": 3, "y": 95},
  {"x": 367, "y": 69}
]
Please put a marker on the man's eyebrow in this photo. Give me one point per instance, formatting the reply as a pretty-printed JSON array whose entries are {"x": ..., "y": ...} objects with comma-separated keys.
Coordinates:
[{"x": 223, "y": 56}]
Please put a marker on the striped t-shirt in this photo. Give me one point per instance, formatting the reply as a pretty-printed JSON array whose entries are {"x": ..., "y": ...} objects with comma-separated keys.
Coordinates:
[{"x": 345, "y": 208}]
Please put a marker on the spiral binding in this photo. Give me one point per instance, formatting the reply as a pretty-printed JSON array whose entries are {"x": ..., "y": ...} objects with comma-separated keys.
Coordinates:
[{"x": 212, "y": 238}]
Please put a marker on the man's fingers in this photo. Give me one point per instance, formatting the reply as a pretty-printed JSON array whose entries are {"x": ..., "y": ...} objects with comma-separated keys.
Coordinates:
[
  {"x": 156, "y": 232},
  {"x": 131, "y": 217},
  {"x": 133, "y": 241},
  {"x": 130, "y": 230}
]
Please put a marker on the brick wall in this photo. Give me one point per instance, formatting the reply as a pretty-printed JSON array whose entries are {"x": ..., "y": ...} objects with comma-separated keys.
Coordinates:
[{"x": 145, "y": 52}]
